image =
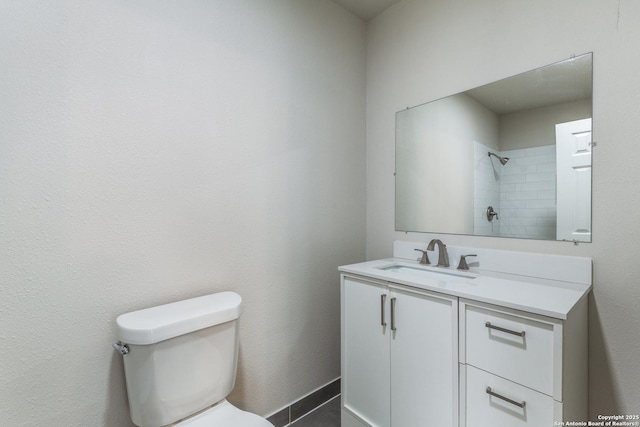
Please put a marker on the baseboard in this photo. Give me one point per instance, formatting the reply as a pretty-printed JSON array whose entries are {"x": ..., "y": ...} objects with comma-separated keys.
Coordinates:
[{"x": 305, "y": 404}]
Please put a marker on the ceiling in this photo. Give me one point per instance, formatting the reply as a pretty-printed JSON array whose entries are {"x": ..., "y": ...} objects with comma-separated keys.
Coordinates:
[
  {"x": 366, "y": 9},
  {"x": 564, "y": 81}
]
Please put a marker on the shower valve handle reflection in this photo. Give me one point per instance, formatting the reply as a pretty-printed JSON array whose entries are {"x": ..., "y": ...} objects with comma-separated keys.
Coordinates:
[{"x": 491, "y": 213}]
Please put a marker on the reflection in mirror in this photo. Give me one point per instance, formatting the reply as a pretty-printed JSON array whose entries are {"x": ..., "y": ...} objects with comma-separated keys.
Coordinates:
[{"x": 508, "y": 159}]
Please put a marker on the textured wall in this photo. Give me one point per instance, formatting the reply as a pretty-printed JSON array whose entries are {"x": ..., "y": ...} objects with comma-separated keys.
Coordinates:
[
  {"x": 424, "y": 50},
  {"x": 152, "y": 151}
]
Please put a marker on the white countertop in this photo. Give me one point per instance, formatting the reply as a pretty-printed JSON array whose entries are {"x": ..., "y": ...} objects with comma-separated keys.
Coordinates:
[{"x": 552, "y": 298}]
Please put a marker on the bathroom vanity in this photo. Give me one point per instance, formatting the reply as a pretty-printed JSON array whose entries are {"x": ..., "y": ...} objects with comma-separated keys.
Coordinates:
[{"x": 501, "y": 344}]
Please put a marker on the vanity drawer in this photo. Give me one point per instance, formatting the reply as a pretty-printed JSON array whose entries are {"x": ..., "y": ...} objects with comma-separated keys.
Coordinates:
[
  {"x": 517, "y": 347},
  {"x": 526, "y": 407}
]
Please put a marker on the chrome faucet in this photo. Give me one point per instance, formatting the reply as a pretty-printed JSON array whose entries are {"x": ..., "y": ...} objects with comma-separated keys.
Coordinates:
[{"x": 443, "y": 257}]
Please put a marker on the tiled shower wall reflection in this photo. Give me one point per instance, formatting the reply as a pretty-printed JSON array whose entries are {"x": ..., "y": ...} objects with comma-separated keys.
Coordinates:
[
  {"x": 486, "y": 191},
  {"x": 526, "y": 192}
]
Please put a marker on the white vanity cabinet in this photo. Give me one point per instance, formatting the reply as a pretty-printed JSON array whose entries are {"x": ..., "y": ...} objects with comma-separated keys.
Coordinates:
[
  {"x": 521, "y": 369},
  {"x": 399, "y": 355},
  {"x": 501, "y": 345}
]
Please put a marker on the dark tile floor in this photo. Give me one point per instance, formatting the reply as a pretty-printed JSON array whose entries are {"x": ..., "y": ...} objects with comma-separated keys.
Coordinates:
[{"x": 327, "y": 415}]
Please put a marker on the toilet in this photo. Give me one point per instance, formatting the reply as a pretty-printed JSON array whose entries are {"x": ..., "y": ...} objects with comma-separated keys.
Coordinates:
[{"x": 180, "y": 363}]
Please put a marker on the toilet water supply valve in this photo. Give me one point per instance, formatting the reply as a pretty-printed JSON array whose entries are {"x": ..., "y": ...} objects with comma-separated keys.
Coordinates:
[{"x": 121, "y": 348}]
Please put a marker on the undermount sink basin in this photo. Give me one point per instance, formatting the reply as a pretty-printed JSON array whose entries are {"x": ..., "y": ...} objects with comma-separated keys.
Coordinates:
[{"x": 425, "y": 271}]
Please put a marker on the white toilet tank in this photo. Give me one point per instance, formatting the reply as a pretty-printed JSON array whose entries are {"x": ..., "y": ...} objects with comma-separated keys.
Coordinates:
[{"x": 182, "y": 357}]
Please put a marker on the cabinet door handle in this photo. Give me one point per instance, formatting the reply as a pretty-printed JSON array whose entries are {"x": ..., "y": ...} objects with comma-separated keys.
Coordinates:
[
  {"x": 383, "y": 299},
  {"x": 393, "y": 314},
  {"x": 506, "y": 399},
  {"x": 509, "y": 331}
]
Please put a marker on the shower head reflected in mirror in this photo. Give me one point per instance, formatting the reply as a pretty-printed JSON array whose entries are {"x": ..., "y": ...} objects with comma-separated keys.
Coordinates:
[{"x": 503, "y": 160}]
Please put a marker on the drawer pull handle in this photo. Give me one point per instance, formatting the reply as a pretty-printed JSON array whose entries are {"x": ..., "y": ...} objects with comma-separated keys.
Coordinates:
[
  {"x": 509, "y": 331},
  {"x": 383, "y": 298},
  {"x": 393, "y": 314},
  {"x": 506, "y": 399}
]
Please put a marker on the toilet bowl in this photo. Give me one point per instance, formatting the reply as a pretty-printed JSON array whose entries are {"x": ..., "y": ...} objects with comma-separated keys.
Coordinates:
[
  {"x": 180, "y": 363},
  {"x": 224, "y": 414}
]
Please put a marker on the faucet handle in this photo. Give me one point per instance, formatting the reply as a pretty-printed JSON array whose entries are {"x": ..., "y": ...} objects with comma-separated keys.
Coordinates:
[
  {"x": 425, "y": 257},
  {"x": 463, "y": 262}
]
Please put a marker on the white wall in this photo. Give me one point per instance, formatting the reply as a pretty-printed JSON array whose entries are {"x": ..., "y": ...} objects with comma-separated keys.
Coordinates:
[
  {"x": 157, "y": 150},
  {"x": 424, "y": 50}
]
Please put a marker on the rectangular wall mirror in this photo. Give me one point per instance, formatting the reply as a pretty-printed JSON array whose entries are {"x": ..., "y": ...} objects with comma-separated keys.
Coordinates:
[{"x": 508, "y": 159}]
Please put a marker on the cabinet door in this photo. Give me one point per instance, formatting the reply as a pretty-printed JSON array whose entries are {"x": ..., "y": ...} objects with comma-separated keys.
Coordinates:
[
  {"x": 424, "y": 359},
  {"x": 365, "y": 351}
]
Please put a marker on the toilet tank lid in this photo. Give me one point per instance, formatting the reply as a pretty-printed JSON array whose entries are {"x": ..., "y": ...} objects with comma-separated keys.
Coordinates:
[{"x": 160, "y": 323}]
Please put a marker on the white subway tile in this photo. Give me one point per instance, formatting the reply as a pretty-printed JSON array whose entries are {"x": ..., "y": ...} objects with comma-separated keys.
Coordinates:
[
  {"x": 540, "y": 203},
  {"x": 513, "y": 179},
  {"x": 542, "y": 176},
  {"x": 538, "y": 185},
  {"x": 513, "y": 204},
  {"x": 547, "y": 194}
]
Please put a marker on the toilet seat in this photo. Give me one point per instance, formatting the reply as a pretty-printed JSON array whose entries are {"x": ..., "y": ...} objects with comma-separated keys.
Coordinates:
[{"x": 224, "y": 414}]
